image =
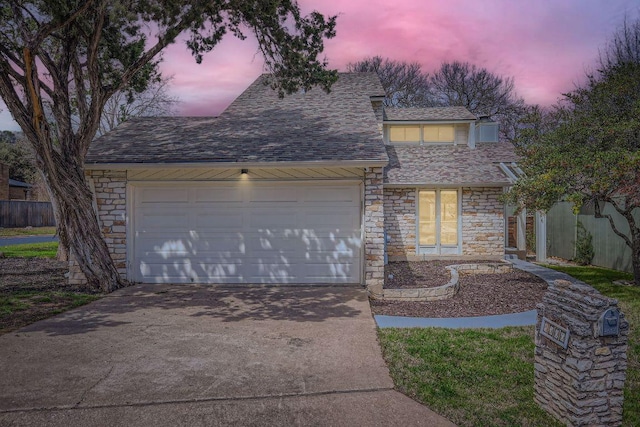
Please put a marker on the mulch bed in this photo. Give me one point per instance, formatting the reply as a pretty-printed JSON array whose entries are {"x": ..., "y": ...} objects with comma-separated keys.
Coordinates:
[
  {"x": 479, "y": 295},
  {"x": 423, "y": 274}
]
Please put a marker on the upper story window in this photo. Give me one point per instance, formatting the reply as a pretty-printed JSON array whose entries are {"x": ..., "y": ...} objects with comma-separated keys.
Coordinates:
[
  {"x": 422, "y": 133},
  {"x": 404, "y": 133},
  {"x": 438, "y": 133}
]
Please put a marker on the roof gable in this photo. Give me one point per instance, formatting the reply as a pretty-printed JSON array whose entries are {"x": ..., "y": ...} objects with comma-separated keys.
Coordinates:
[{"x": 258, "y": 126}]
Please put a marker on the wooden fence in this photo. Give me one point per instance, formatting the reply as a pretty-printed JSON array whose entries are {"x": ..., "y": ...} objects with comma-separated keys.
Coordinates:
[
  {"x": 20, "y": 213},
  {"x": 609, "y": 249}
]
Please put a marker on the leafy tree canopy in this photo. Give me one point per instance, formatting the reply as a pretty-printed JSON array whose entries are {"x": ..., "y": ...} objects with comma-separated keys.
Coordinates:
[{"x": 587, "y": 150}]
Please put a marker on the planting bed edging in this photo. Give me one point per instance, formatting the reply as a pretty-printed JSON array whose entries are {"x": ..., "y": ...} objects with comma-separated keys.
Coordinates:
[{"x": 451, "y": 288}]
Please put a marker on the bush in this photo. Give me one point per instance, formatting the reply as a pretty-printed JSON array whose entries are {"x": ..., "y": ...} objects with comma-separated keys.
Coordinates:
[{"x": 584, "y": 246}]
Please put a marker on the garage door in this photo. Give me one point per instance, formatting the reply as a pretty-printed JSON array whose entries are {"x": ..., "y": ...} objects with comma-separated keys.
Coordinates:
[{"x": 247, "y": 232}]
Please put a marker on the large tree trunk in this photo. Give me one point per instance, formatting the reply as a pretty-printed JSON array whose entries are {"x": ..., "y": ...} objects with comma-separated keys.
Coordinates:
[
  {"x": 78, "y": 226},
  {"x": 635, "y": 261}
]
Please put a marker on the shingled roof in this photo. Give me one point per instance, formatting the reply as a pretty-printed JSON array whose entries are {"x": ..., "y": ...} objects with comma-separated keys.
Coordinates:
[
  {"x": 448, "y": 164},
  {"x": 259, "y": 127},
  {"x": 427, "y": 114}
]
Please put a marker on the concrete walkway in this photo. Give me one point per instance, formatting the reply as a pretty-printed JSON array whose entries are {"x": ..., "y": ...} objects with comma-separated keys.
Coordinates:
[
  {"x": 497, "y": 321},
  {"x": 197, "y": 355}
]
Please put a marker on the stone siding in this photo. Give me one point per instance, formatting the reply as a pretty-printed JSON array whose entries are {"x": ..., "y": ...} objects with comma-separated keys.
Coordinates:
[
  {"x": 482, "y": 222},
  {"x": 583, "y": 383},
  {"x": 110, "y": 202},
  {"x": 400, "y": 221},
  {"x": 374, "y": 231}
]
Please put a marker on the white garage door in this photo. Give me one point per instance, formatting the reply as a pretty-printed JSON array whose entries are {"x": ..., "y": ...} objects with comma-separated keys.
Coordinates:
[{"x": 247, "y": 232}]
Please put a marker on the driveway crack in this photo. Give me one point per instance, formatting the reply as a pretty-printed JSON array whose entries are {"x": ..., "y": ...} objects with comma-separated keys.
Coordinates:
[{"x": 102, "y": 378}]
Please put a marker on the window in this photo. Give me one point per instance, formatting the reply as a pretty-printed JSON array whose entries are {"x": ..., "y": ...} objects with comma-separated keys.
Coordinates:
[
  {"x": 404, "y": 133},
  {"x": 438, "y": 133},
  {"x": 438, "y": 221},
  {"x": 422, "y": 133}
]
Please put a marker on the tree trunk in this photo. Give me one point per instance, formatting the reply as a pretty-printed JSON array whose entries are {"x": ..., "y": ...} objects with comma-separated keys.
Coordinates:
[
  {"x": 635, "y": 261},
  {"x": 78, "y": 226}
]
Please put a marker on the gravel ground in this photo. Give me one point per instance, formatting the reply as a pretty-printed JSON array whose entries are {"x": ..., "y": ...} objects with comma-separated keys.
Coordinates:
[
  {"x": 34, "y": 274},
  {"x": 479, "y": 295}
]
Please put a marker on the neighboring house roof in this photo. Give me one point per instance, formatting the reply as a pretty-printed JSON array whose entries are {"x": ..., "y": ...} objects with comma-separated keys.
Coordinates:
[
  {"x": 16, "y": 183},
  {"x": 259, "y": 127},
  {"x": 427, "y": 114},
  {"x": 448, "y": 164}
]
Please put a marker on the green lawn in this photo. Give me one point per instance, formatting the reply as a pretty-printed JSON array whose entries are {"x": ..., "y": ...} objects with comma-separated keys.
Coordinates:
[
  {"x": 33, "y": 231},
  {"x": 483, "y": 377},
  {"x": 31, "y": 250}
]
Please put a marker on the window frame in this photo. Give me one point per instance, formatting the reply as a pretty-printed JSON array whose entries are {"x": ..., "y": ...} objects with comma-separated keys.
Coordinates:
[
  {"x": 439, "y": 248},
  {"x": 421, "y": 129}
]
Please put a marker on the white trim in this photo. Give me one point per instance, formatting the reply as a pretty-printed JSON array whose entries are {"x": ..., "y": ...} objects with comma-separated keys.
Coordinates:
[
  {"x": 426, "y": 185},
  {"x": 238, "y": 165},
  {"x": 129, "y": 231},
  {"x": 426, "y": 122},
  {"x": 437, "y": 248},
  {"x": 203, "y": 183}
]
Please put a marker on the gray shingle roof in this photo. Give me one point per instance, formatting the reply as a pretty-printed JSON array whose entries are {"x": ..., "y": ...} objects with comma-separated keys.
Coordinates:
[
  {"x": 259, "y": 127},
  {"x": 448, "y": 164},
  {"x": 428, "y": 113}
]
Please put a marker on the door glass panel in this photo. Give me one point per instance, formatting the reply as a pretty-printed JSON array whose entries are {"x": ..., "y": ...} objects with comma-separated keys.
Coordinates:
[
  {"x": 448, "y": 217},
  {"x": 427, "y": 207}
]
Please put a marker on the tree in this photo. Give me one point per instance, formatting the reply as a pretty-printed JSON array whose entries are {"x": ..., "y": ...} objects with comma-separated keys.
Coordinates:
[
  {"x": 123, "y": 105},
  {"x": 481, "y": 92},
  {"x": 15, "y": 153},
  {"x": 404, "y": 83},
  {"x": 74, "y": 55},
  {"x": 592, "y": 153}
]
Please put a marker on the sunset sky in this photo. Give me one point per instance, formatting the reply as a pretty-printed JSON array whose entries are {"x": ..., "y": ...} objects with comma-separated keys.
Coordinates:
[{"x": 546, "y": 45}]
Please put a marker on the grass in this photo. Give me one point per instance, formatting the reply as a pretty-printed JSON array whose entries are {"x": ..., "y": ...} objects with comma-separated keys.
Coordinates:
[
  {"x": 482, "y": 377},
  {"x": 34, "y": 231},
  {"x": 21, "y": 304},
  {"x": 31, "y": 250},
  {"x": 21, "y": 308},
  {"x": 474, "y": 377}
]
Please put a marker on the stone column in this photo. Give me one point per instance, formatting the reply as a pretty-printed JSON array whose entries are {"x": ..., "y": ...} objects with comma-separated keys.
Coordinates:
[
  {"x": 374, "y": 231},
  {"x": 579, "y": 371}
]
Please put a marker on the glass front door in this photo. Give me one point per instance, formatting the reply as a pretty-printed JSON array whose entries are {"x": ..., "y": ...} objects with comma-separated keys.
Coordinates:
[{"x": 438, "y": 212}]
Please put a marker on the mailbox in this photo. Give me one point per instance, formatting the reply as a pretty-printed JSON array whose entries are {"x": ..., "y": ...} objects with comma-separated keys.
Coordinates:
[{"x": 609, "y": 323}]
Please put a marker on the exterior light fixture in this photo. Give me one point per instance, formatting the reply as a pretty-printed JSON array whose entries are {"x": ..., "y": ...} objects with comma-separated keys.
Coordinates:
[{"x": 244, "y": 171}]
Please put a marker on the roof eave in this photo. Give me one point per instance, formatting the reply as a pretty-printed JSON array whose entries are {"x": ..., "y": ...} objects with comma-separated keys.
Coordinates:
[
  {"x": 419, "y": 122},
  {"x": 227, "y": 165},
  {"x": 499, "y": 184}
]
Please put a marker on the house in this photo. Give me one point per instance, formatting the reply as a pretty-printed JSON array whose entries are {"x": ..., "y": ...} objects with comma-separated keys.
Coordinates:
[
  {"x": 297, "y": 190},
  {"x": 12, "y": 189}
]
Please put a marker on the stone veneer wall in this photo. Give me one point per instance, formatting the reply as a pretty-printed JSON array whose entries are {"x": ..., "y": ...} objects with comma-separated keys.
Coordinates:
[
  {"x": 582, "y": 384},
  {"x": 400, "y": 221},
  {"x": 482, "y": 222},
  {"x": 110, "y": 194},
  {"x": 374, "y": 220}
]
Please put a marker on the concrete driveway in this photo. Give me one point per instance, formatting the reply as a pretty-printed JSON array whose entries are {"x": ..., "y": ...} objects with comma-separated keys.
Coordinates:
[{"x": 195, "y": 355}]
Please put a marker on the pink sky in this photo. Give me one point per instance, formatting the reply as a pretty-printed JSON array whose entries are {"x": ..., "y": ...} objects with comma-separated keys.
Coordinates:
[{"x": 546, "y": 45}]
